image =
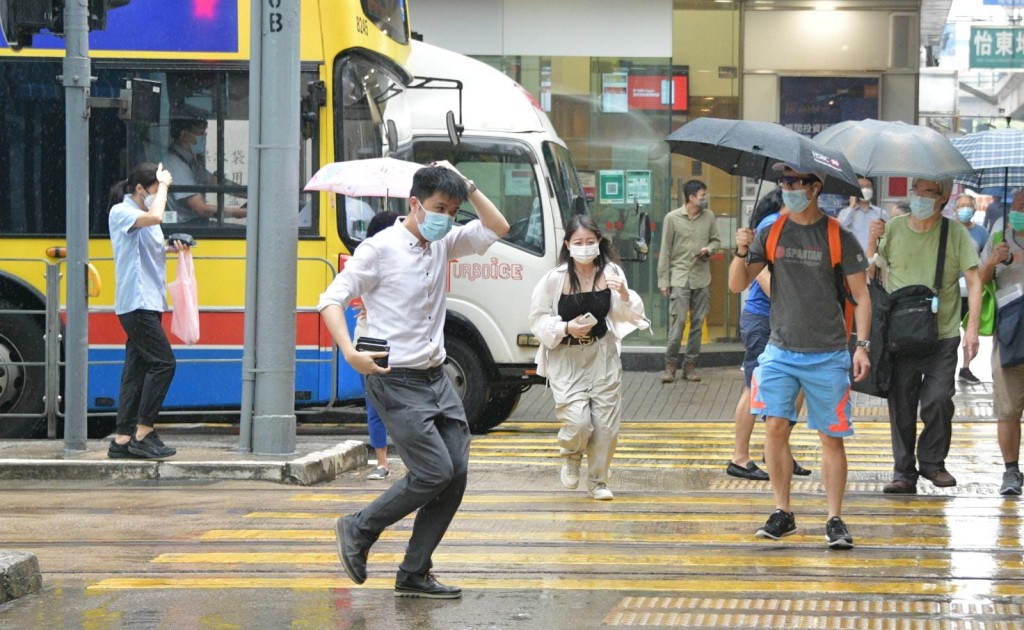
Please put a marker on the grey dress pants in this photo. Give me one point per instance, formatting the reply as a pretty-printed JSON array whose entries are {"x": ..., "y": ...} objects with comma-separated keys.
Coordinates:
[{"x": 428, "y": 428}]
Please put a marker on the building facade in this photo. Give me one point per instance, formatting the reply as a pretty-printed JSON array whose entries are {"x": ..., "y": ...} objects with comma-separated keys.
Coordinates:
[{"x": 617, "y": 77}]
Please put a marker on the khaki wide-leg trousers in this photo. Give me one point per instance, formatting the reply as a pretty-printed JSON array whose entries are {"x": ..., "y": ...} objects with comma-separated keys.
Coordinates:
[{"x": 586, "y": 382}]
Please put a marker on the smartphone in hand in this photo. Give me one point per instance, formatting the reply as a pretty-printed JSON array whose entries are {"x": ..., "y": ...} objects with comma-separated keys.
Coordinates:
[{"x": 587, "y": 319}]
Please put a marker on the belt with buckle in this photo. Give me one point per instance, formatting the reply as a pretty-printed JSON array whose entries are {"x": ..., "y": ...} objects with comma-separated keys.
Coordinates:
[{"x": 585, "y": 340}]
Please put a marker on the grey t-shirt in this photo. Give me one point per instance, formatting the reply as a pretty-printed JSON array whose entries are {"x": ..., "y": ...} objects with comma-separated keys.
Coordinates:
[{"x": 806, "y": 315}]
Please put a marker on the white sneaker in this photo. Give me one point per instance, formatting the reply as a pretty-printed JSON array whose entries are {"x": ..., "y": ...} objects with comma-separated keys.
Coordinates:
[
  {"x": 571, "y": 472},
  {"x": 601, "y": 492}
]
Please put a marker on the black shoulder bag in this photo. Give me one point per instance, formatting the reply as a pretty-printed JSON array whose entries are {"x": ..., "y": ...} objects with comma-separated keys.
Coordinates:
[
  {"x": 913, "y": 311},
  {"x": 877, "y": 381}
]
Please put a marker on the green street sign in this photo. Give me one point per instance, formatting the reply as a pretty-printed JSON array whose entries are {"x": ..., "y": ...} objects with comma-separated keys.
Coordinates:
[{"x": 997, "y": 47}]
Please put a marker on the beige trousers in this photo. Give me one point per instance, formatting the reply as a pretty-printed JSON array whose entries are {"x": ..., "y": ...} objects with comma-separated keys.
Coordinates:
[{"x": 586, "y": 382}]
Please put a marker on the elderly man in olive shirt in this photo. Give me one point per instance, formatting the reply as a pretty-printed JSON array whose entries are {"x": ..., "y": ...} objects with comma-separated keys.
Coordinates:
[{"x": 689, "y": 237}]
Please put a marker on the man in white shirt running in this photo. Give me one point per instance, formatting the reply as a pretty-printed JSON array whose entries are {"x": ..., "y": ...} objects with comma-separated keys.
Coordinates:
[{"x": 400, "y": 273}]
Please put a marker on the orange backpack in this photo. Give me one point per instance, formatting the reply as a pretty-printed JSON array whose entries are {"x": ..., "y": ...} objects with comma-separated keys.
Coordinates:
[{"x": 835, "y": 251}]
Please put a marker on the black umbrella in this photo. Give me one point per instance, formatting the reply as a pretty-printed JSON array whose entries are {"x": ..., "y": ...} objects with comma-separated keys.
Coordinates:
[{"x": 751, "y": 148}]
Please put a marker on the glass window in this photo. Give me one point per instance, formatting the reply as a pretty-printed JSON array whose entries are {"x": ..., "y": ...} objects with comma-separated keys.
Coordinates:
[
  {"x": 506, "y": 172},
  {"x": 361, "y": 86},
  {"x": 390, "y": 16},
  {"x": 568, "y": 190},
  {"x": 203, "y": 126}
]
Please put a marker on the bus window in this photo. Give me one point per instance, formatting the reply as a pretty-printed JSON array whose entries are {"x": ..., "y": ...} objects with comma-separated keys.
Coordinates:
[
  {"x": 361, "y": 86},
  {"x": 506, "y": 172},
  {"x": 390, "y": 17}
]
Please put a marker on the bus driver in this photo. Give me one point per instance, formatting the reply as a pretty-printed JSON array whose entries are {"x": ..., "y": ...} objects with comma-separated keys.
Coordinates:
[{"x": 185, "y": 162}]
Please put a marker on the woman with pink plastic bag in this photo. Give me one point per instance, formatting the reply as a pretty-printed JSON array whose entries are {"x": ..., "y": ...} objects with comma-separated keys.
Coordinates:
[{"x": 140, "y": 300}]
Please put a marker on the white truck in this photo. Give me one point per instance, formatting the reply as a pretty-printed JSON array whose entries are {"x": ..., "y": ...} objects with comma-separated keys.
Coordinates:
[{"x": 495, "y": 133}]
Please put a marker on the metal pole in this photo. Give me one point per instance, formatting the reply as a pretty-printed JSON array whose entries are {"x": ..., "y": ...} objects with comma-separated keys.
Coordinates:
[
  {"x": 52, "y": 402},
  {"x": 273, "y": 426},
  {"x": 77, "y": 73},
  {"x": 252, "y": 231}
]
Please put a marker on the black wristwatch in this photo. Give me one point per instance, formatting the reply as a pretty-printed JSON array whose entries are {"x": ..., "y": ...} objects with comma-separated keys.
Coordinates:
[{"x": 863, "y": 343}]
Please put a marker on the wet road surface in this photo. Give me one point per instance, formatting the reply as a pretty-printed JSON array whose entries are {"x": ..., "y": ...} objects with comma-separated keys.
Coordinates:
[{"x": 675, "y": 548}]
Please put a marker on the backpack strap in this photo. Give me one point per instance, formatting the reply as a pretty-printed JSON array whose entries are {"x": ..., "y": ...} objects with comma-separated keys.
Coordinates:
[
  {"x": 835, "y": 252},
  {"x": 773, "y": 239}
]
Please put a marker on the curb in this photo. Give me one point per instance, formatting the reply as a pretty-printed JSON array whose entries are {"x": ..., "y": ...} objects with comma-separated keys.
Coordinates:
[
  {"x": 310, "y": 469},
  {"x": 19, "y": 575}
]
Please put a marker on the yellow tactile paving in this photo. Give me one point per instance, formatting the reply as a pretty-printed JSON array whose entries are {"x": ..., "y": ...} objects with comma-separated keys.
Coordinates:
[
  {"x": 808, "y": 535},
  {"x": 953, "y": 588}
]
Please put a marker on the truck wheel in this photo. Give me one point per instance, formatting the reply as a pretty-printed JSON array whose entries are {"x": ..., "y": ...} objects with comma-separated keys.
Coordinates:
[
  {"x": 498, "y": 409},
  {"x": 469, "y": 378},
  {"x": 21, "y": 387}
]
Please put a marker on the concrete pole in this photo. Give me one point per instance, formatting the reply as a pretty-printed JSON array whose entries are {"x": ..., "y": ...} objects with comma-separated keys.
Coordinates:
[
  {"x": 77, "y": 71},
  {"x": 277, "y": 227}
]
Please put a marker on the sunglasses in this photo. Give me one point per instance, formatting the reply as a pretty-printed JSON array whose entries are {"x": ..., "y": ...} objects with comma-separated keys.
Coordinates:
[{"x": 789, "y": 180}]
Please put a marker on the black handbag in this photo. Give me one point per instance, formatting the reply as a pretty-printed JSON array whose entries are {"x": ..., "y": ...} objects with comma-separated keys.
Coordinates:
[
  {"x": 913, "y": 326},
  {"x": 876, "y": 383}
]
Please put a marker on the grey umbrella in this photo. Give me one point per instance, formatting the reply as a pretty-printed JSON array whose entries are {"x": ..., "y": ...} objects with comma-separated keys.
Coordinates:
[
  {"x": 751, "y": 148},
  {"x": 878, "y": 148}
]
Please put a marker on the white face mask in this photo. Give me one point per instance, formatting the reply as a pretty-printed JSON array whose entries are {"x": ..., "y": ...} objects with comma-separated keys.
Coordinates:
[
  {"x": 866, "y": 193},
  {"x": 584, "y": 253}
]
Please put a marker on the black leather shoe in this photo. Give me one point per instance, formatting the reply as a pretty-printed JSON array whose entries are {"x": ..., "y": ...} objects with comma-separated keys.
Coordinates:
[
  {"x": 410, "y": 585},
  {"x": 750, "y": 471},
  {"x": 799, "y": 470},
  {"x": 353, "y": 556}
]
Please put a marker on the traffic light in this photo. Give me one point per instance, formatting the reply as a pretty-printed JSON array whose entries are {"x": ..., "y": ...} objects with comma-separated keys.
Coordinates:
[
  {"x": 98, "y": 12},
  {"x": 21, "y": 19}
]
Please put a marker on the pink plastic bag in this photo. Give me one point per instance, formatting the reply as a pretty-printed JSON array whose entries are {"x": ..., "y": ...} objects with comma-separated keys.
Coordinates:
[{"x": 185, "y": 318}]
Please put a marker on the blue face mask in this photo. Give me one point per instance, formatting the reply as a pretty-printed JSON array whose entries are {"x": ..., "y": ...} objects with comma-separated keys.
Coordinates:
[
  {"x": 200, "y": 146},
  {"x": 921, "y": 207},
  {"x": 796, "y": 200},
  {"x": 965, "y": 214},
  {"x": 1017, "y": 221},
  {"x": 436, "y": 225}
]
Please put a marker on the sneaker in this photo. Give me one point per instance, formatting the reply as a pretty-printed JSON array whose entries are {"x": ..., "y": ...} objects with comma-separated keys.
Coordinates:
[
  {"x": 571, "y": 471},
  {"x": 150, "y": 447},
  {"x": 120, "y": 451},
  {"x": 378, "y": 473},
  {"x": 601, "y": 492},
  {"x": 1012, "y": 480},
  {"x": 779, "y": 524},
  {"x": 967, "y": 376},
  {"x": 838, "y": 536}
]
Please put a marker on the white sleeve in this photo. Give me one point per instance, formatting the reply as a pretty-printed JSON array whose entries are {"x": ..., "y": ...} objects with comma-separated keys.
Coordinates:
[
  {"x": 359, "y": 276},
  {"x": 545, "y": 322}
]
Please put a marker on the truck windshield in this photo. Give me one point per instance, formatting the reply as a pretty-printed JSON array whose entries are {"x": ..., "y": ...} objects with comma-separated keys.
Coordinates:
[
  {"x": 566, "y": 181},
  {"x": 506, "y": 172}
]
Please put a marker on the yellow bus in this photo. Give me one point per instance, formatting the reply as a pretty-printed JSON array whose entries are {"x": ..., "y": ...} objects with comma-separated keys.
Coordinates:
[{"x": 352, "y": 56}]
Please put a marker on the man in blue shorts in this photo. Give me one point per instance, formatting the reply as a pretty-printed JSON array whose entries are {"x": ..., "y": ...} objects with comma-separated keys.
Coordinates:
[{"x": 808, "y": 345}]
